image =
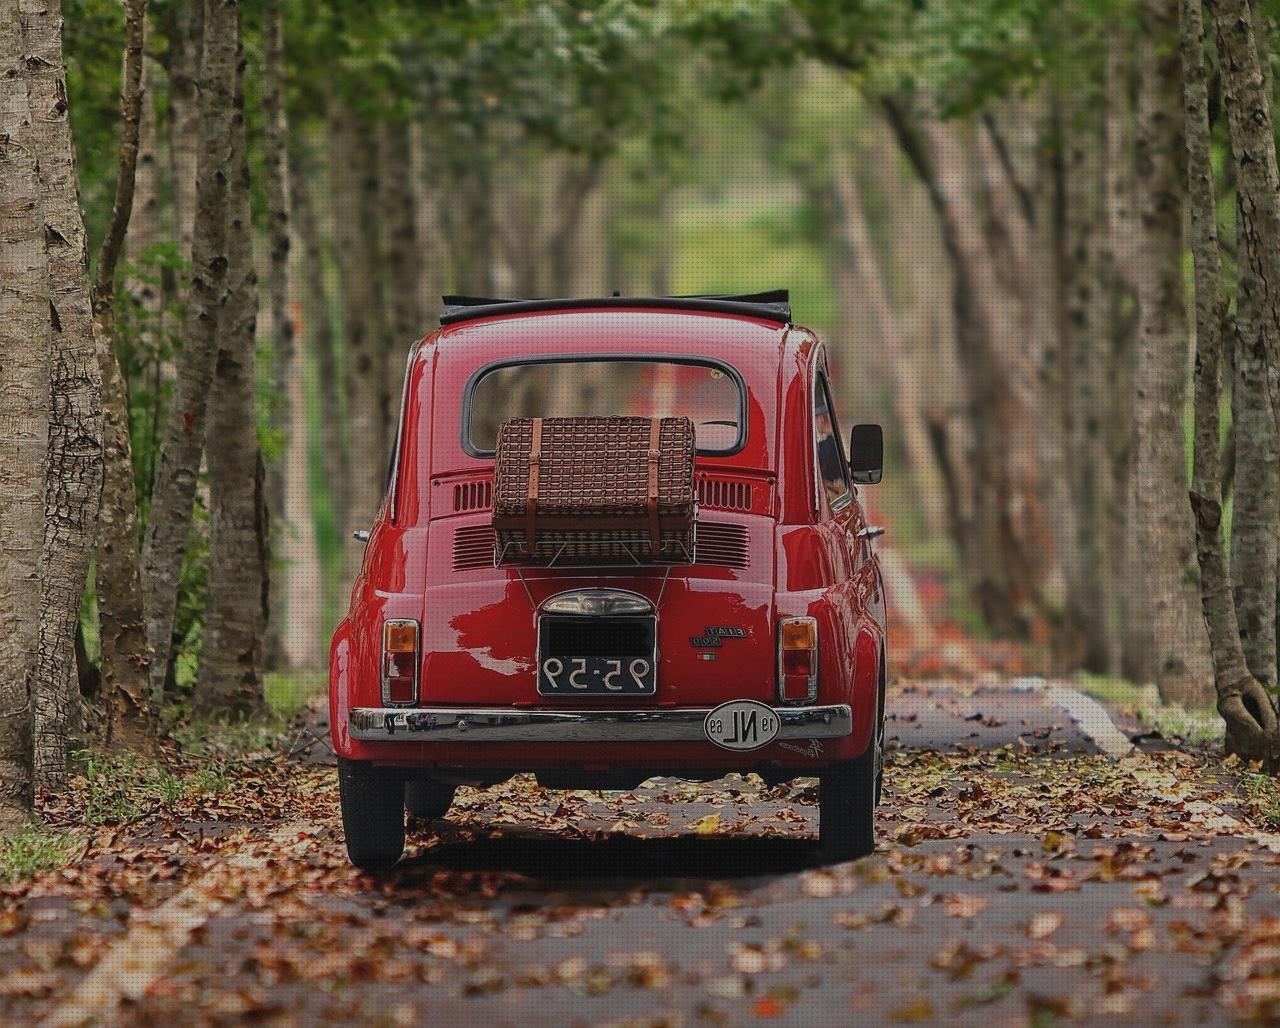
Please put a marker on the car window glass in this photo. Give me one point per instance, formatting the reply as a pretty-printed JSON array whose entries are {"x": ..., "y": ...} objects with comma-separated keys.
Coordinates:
[
  {"x": 831, "y": 465},
  {"x": 705, "y": 394}
]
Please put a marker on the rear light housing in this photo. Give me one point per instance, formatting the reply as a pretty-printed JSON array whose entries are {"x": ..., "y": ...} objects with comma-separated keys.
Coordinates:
[
  {"x": 400, "y": 662},
  {"x": 798, "y": 660}
]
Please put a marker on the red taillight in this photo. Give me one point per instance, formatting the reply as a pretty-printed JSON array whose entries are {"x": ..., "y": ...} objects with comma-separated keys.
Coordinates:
[
  {"x": 798, "y": 660},
  {"x": 400, "y": 661}
]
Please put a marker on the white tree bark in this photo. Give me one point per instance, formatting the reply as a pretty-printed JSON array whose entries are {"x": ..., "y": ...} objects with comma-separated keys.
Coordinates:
[
  {"x": 73, "y": 478},
  {"x": 24, "y": 418},
  {"x": 184, "y": 431}
]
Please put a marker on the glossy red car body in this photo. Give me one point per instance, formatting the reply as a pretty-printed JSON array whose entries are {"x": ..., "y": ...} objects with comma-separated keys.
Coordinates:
[{"x": 783, "y": 551}]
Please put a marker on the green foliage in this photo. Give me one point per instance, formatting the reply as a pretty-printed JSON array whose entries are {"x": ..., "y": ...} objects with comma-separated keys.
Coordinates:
[
  {"x": 34, "y": 848},
  {"x": 119, "y": 786},
  {"x": 1262, "y": 791}
]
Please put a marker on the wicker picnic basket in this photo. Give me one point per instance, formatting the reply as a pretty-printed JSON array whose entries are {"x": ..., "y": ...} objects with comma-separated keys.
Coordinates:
[{"x": 611, "y": 490}]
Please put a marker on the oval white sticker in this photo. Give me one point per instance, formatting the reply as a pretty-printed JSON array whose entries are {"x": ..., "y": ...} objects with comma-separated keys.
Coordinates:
[{"x": 741, "y": 725}]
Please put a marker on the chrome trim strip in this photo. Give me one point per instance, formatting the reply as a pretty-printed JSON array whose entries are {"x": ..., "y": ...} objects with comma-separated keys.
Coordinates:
[
  {"x": 507, "y": 724},
  {"x": 393, "y": 486}
]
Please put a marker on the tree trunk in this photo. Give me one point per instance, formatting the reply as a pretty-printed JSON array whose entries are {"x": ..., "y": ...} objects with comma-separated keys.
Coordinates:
[
  {"x": 230, "y": 678},
  {"x": 285, "y": 368},
  {"x": 401, "y": 254},
  {"x": 1256, "y": 507},
  {"x": 1013, "y": 561},
  {"x": 318, "y": 329},
  {"x": 1118, "y": 271},
  {"x": 185, "y": 33},
  {"x": 354, "y": 178},
  {"x": 1170, "y": 646},
  {"x": 73, "y": 474},
  {"x": 1249, "y": 117},
  {"x": 869, "y": 283},
  {"x": 426, "y": 212},
  {"x": 24, "y": 418},
  {"x": 1243, "y": 702},
  {"x": 1089, "y": 559},
  {"x": 1247, "y": 95},
  {"x": 125, "y": 682},
  {"x": 184, "y": 432},
  {"x": 575, "y": 178}
]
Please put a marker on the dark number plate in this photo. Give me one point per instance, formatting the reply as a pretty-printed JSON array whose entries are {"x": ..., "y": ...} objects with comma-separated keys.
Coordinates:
[{"x": 582, "y": 656}]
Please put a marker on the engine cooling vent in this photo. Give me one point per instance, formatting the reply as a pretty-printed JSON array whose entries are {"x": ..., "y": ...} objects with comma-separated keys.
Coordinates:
[
  {"x": 722, "y": 545},
  {"x": 477, "y": 495},
  {"x": 724, "y": 494},
  {"x": 473, "y": 547}
]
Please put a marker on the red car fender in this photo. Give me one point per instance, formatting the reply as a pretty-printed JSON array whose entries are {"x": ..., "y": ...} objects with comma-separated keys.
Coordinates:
[{"x": 340, "y": 688}]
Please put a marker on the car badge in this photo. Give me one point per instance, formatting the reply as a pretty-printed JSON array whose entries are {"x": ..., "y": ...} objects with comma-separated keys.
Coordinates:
[{"x": 714, "y": 633}]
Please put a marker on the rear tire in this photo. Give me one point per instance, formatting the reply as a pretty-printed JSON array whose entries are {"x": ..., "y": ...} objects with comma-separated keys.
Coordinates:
[
  {"x": 847, "y": 806},
  {"x": 428, "y": 799},
  {"x": 372, "y": 813}
]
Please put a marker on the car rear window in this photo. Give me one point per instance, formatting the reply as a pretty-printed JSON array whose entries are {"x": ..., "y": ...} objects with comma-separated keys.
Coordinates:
[{"x": 708, "y": 393}]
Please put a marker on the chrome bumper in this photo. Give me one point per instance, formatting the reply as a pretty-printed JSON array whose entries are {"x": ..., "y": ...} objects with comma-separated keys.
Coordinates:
[{"x": 492, "y": 724}]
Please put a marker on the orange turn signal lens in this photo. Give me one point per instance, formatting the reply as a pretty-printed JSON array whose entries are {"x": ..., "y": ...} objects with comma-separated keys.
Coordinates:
[
  {"x": 799, "y": 634},
  {"x": 400, "y": 636}
]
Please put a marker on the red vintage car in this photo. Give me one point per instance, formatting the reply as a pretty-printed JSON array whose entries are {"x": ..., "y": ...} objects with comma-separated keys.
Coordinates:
[{"x": 764, "y": 651}]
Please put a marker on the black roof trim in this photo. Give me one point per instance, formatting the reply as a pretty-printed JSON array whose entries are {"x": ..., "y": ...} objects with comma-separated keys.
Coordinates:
[{"x": 771, "y": 306}]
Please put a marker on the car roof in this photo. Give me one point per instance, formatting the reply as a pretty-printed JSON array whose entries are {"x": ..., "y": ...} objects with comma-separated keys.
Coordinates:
[
  {"x": 774, "y": 305},
  {"x": 612, "y": 331}
]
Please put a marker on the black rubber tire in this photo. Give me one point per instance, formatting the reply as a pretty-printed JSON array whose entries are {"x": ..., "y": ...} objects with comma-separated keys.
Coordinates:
[
  {"x": 847, "y": 807},
  {"x": 372, "y": 813},
  {"x": 428, "y": 799}
]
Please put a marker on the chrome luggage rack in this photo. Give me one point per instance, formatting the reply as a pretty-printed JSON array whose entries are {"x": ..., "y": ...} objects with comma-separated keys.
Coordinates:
[{"x": 510, "y": 555}]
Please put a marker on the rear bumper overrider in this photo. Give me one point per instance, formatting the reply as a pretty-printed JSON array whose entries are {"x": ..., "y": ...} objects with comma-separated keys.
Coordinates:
[{"x": 503, "y": 724}]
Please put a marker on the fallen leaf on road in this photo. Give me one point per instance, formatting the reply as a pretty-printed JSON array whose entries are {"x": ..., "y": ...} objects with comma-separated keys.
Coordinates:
[{"x": 1044, "y": 925}]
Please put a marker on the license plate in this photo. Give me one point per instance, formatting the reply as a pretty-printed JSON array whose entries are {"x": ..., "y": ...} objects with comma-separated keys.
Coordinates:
[
  {"x": 741, "y": 725},
  {"x": 582, "y": 656}
]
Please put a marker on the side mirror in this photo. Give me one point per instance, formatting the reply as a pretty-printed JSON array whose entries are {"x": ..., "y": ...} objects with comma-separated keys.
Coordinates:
[{"x": 866, "y": 454}]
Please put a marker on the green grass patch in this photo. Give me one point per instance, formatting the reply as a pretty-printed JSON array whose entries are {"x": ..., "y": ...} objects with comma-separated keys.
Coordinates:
[
  {"x": 117, "y": 787},
  {"x": 1173, "y": 721},
  {"x": 34, "y": 848},
  {"x": 1263, "y": 793},
  {"x": 217, "y": 740}
]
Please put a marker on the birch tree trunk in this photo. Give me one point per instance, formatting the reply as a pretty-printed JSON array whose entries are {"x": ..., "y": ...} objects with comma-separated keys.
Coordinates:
[
  {"x": 354, "y": 175},
  {"x": 24, "y": 418},
  {"x": 1242, "y": 700},
  {"x": 230, "y": 676},
  {"x": 184, "y": 431},
  {"x": 125, "y": 663},
  {"x": 73, "y": 474},
  {"x": 1171, "y": 648}
]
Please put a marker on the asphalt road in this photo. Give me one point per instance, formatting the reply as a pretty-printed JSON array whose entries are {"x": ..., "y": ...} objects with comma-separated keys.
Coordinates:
[{"x": 1023, "y": 878}]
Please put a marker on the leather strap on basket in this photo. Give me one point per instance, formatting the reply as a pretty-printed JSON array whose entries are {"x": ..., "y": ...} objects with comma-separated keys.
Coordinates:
[
  {"x": 655, "y": 437},
  {"x": 531, "y": 501}
]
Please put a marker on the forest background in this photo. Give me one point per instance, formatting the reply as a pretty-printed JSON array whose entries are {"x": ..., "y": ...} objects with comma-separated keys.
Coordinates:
[{"x": 1016, "y": 220}]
